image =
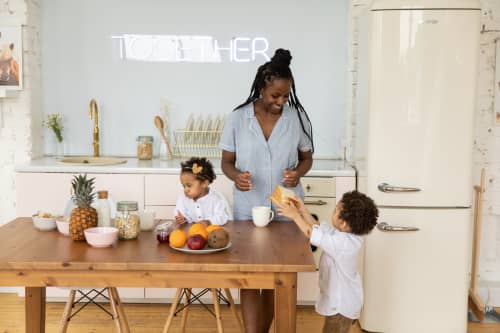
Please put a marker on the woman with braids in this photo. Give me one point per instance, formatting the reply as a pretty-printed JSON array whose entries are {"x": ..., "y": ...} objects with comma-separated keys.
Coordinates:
[{"x": 266, "y": 141}]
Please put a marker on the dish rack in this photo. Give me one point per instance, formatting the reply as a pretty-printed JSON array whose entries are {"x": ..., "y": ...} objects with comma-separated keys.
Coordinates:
[{"x": 197, "y": 143}]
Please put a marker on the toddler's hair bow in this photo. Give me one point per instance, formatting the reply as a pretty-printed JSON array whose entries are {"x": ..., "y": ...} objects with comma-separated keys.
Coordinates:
[{"x": 196, "y": 168}]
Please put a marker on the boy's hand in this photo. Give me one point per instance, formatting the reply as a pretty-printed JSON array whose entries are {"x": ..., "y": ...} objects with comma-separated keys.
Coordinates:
[
  {"x": 179, "y": 218},
  {"x": 288, "y": 209},
  {"x": 243, "y": 182},
  {"x": 297, "y": 203}
]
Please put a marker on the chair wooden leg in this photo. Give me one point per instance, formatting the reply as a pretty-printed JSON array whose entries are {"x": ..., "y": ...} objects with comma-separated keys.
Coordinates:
[
  {"x": 217, "y": 310},
  {"x": 234, "y": 310},
  {"x": 121, "y": 313},
  {"x": 116, "y": 315},
  {"x": 173, "y": 307},
  {"x": 67, "y": 312},
  {"x": 186, "y": 309}
]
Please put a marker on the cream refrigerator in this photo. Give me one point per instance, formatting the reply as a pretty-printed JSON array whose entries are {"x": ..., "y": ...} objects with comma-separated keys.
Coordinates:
[{"x": 413, "y": 157}]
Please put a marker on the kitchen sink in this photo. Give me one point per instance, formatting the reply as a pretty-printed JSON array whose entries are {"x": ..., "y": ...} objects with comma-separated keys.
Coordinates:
[{"x": 90, "y": 160}]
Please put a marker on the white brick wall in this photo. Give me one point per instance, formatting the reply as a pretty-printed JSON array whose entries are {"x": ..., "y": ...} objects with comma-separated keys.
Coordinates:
[{"x": 20, "y": 123}]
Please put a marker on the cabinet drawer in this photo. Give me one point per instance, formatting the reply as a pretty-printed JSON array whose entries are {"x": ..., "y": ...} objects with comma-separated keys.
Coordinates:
[
  {"x": 319, "y": 187},
  {"x": 162, "y": 189}
]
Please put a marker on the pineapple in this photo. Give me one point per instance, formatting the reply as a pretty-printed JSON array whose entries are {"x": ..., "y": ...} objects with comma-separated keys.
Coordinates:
[{"x": 83, "y": 216}]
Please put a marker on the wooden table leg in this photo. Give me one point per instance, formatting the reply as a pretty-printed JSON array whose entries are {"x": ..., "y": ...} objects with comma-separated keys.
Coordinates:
[
  {"x": 285, "y": 302},
  {"x": 34, "y": 308}
]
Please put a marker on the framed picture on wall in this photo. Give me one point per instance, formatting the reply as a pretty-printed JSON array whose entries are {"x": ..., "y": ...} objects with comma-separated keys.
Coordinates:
[{"x": 11, "y": 51}]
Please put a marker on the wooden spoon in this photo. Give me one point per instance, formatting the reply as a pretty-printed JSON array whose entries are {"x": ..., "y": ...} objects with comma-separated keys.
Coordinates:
[{"x": 161, "y": 127}]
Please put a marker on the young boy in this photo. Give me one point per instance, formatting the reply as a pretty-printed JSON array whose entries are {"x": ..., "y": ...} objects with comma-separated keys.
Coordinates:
[{"x": 341, "y": 292}]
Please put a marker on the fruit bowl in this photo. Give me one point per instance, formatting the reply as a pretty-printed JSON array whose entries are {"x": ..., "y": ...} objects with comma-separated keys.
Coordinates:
[
  {"x": 101, "y": 236},
  {"x": 44, "y": 222}
]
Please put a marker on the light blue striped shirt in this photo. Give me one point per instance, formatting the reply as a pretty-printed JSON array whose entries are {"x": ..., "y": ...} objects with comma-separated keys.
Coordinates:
[{"x": 265, "y": 160}]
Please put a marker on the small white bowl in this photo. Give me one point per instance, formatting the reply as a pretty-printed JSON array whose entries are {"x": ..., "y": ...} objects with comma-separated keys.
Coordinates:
[
  {"x": 44, "y": 223},
  {"x": 101, "y": 236},
  {"x": 63, "y": 225}
]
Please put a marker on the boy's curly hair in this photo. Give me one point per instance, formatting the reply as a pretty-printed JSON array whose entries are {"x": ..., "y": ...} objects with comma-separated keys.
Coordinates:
[
  {"x": 200, "y": 167},
  {"x": 359, "y": 211}
]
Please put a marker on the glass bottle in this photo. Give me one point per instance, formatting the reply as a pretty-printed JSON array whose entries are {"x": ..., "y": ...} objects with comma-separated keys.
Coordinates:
[
  {"x": 127, "y": 219},
  {"x": 144, "y": 147},
  {"x": 103, "y": 209}
]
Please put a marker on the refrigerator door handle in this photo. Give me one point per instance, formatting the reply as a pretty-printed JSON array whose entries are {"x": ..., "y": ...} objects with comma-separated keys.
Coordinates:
[
  {"x": 384, "y": 187},
  {"x": 383, "y": 226}
]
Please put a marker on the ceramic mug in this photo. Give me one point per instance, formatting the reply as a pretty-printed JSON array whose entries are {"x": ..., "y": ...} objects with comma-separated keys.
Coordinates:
[{"x": 262, "y": 215}]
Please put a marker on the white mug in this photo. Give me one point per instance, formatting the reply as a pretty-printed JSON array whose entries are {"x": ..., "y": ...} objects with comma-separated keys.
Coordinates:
[
  {"x": 262, "y": 215},
  {"x": 147, "y": 219}
]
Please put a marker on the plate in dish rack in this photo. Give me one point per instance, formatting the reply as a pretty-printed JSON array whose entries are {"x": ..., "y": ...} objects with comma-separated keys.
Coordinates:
[{"x": 205, "y": 250}]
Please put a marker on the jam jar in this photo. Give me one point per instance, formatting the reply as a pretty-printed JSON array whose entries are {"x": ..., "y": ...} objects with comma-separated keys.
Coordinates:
[
  {"x": 144, "y": 147},
  {"x": 127, "y": 219}
]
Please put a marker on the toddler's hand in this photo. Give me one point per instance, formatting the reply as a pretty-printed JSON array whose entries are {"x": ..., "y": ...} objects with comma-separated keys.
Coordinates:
[
  {"x": 243, "y": 182},
  {"x": 179, "y": 218}
]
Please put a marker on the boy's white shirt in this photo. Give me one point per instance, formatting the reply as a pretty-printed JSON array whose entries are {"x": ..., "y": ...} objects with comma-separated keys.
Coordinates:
[
  {"x": 212, "y": 207},
  {"x": 341, "y": 289}
]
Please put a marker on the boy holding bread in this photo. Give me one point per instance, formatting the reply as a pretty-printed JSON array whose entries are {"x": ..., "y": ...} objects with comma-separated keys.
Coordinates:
[{"x": 341, "y": 293}]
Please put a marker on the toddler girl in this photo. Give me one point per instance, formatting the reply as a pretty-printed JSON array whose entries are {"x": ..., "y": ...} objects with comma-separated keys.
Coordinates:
[{"x": 200, "y": 203}]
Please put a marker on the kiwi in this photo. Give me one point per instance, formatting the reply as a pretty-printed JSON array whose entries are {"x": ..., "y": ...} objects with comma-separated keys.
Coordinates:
[{"x": 218, "y": 238}]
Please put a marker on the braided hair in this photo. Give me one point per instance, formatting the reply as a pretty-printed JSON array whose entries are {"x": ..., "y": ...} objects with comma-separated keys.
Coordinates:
[
  {"x": 200, "y": 167},
  {"x": 278, "y": 68}
]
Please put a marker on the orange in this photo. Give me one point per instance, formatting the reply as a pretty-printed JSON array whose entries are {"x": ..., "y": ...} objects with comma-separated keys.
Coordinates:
[
  {"x": 177, "y": 238},
  {"x": 212, "y": 227},
  {"x": 198, "y": 229}
]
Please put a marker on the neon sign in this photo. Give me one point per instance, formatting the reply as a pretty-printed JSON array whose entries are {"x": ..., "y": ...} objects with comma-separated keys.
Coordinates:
[{"x": 190, "y": 48}]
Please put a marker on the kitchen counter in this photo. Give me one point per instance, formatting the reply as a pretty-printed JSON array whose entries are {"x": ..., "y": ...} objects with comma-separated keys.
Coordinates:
[{"x": 321, "y": 167}]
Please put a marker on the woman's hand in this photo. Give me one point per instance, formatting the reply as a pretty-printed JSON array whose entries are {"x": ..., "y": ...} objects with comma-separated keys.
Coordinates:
[
  {"x": 179, "y": 218},
  {"x": 290, "y": 178},
  {"x": 243, "y": 182}
]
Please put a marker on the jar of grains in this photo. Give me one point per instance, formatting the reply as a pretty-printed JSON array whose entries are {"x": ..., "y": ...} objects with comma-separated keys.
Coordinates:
[
  {"x": 127, "y": 219},
  {"x": 144, "y": 147}
]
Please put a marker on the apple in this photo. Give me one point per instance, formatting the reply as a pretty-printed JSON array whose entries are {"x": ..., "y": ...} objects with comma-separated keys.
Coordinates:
[{"x": 196, "y": 242}]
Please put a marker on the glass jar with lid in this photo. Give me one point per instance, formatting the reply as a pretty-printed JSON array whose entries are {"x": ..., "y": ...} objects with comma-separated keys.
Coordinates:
[
  {"x": 144, "y": 147},
  {"x": 127, "y": 219}
]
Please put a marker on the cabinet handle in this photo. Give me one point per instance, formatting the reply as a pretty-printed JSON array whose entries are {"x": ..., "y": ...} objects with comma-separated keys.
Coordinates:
[
  {"x": 315, "y": 202},
  {"x": 308, "y": 187},
  {"x": 384, "y": 187},
  {"x": 383, "y": 226}
]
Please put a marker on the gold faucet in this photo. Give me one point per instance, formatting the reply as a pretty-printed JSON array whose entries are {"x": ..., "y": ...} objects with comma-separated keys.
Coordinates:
[{"x": 94, "y": 112}]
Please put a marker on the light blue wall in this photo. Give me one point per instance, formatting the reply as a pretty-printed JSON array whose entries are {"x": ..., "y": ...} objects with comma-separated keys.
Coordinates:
[{"x": 80, "y": 61}]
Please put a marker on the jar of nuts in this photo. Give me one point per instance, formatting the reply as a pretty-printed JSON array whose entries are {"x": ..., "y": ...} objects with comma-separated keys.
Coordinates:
[
  {"x": 127, "y": 219},
  {"x": 144, "y": 147}
]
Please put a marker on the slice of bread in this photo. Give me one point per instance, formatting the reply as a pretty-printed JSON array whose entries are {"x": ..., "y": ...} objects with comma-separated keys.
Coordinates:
[{"x": 281, "y": 195}]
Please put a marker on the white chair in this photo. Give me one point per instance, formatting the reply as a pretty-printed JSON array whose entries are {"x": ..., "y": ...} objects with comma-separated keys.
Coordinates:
[{"x": 191, "y": 298}]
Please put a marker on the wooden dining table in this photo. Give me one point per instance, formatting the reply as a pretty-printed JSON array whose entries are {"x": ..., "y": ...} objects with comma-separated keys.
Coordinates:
[{"x": 259, "y": 258}]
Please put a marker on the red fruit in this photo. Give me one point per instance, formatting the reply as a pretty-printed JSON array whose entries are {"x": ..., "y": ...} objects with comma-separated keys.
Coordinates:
[{"x": 196, "y": 242}]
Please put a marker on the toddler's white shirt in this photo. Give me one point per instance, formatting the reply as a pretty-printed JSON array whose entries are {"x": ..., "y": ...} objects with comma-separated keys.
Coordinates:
[
  {"x": 212, "y": 207},
  {"x": 341, "y": 290}
]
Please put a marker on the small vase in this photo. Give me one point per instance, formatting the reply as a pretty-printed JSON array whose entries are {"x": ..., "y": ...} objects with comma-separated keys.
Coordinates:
[{"x": 58, "y": 149}]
